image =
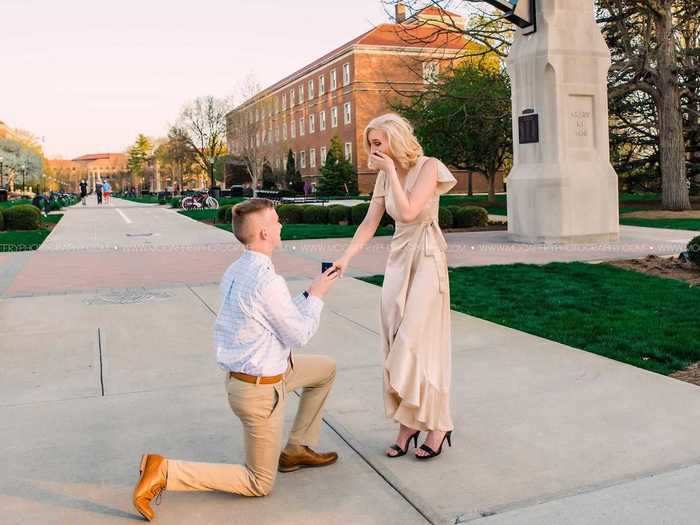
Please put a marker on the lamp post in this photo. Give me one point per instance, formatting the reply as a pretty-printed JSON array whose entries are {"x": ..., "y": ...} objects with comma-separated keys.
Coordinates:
[
  {"x": 2, "y": 172},
  {"x": 24, "y": 173},
  {"x": 211, "y": 171}
]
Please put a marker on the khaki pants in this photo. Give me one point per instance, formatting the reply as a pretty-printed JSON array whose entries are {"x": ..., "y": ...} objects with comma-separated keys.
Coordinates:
[{"x": 261, "y": 411}]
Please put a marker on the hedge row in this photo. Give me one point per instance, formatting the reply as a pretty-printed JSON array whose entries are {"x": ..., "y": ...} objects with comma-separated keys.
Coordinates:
[{"x": 20, "y": 217}]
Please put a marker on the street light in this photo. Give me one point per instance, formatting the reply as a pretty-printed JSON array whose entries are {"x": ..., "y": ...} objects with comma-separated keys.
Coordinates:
[
  {"x": 2, "y": 172},
  {"x": 24, "y": 174},
  {"x": 211, "y": 168}
]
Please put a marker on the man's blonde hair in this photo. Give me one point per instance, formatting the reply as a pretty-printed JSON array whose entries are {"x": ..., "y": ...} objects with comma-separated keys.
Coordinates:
[
  {"x": 240, "y": 215},
  {"x": 403, "y": 143}
]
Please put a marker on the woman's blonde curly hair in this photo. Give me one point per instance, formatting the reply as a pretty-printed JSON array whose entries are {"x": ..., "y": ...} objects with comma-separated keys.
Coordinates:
[{"x": 403, "y": 144}]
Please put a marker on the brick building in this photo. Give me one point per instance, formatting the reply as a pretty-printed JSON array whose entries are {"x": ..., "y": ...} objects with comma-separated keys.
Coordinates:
[
  {"x": 339, "y": 93},
  {"x": 91, "y": 167}
]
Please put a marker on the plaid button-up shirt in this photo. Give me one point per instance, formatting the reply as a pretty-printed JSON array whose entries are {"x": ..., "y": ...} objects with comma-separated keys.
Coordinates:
[{"x": 259, "y": 322}]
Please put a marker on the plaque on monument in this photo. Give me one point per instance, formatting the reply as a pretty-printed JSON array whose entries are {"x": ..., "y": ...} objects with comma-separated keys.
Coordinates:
[{"x": 528, "y": 129}]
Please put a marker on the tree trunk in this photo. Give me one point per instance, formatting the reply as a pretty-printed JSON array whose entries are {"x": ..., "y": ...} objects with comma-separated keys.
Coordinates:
[
  {"x": 674, "y": 188},
  {"x": 470, "y": 186},
  {"x": 492, "y": 185}
]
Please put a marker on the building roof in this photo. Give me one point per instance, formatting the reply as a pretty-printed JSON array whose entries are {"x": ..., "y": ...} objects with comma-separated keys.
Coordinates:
[
  {"x": 97, "y": 156},
  {"x": 413, "y": 33}
]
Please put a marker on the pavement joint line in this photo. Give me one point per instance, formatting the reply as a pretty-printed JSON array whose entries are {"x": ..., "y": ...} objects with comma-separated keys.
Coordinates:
[
  {"x": 201, "y": 300},
  {"x": 585, "y": 489},
  {"x": 99, "y": 346}
]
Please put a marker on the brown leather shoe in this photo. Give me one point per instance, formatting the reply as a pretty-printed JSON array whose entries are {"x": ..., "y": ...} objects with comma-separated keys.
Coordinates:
[
  {"x": 154, "y": 475},
  {"x": 305, "y": 459}
]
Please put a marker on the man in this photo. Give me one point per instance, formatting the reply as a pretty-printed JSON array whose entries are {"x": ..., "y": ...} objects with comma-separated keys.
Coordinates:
[
  {"x": 257, "y": 326},
  {"x": 83, "y": 191},
  {"x": 98, "y": 190},
  {"x": 107, "y": 191}
]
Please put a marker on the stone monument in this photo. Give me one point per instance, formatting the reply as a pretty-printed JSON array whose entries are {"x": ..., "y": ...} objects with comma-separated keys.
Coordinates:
[{"x": 562, "y": 187}]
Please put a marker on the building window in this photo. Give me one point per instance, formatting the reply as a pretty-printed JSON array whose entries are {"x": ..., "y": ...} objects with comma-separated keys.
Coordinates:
[
  {"x": 346, "y": 74},
  {"x": 257, "y": 115},
  {"x": 301, "y": 127},
  {"x": 291, "y": 98},
  {"x": 302, "y": 158},
  {"x": 334, "y": 117},
  {"x": 312, "y": 158},
  {"x": 301, "y": 93},
  {"x": 323, "y": 155},
  {"x": 322, "y": 120},
  {"x": 334, "y": 80},
  {"x": 312, "y": 123},
  {"x": 348, "y": 151},
  {"x": 346, "y": 113},
  {"x": 430, "y": 72},
  {"x": 284, "y": 101},
  {"x": 284, "y": 130},
  {"x": 311, "y": 89},
  {"x": 292, "y": 129},
  {"x": 269, "y": 135},
  {"x": 321, "y": 85}
]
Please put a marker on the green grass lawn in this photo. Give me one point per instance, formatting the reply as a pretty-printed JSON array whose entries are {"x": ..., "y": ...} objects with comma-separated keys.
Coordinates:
[
  {"x": 673, "y": 224},
  {"x": 199, "y": 215},
  {"x": 646, "y": 321},
  {"x": 26, "y": 240}
]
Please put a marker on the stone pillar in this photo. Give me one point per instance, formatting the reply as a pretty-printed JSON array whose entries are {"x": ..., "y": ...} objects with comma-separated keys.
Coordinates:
[{"x": 562, "y": 188}]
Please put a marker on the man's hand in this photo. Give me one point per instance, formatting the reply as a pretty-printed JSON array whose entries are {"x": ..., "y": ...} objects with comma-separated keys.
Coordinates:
[{"x": 322, "y": 284}]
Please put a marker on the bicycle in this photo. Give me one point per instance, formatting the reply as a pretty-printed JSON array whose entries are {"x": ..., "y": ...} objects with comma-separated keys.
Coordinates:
[{"x": 200, "y": 200}]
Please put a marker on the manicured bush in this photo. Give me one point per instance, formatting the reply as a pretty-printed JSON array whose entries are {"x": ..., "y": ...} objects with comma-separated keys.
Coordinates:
[
  {"x": 358, "y": 212},
  {"x": 54, "y": 206},
  {"x": 315, "y": 214},
  {"x": 337, "y": 214},
  {"x": 290, "y": 213},
  {"x": 175, "y": 202},
  {"x": 445, "y": 218},
  {"x": 224, "y": 214},
  {"x": 22, "y": 217},
  {"x": 2, "y": 221},
  {"x": 470, "y": 216},
  {"x": 694, "y": 250}
]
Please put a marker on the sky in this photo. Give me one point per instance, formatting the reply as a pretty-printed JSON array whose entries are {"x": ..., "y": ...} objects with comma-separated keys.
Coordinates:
[{"x": 88, "y": 76}]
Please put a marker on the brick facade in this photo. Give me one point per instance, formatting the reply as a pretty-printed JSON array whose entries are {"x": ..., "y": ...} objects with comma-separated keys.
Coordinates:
[{"x": 371, "y": 71}]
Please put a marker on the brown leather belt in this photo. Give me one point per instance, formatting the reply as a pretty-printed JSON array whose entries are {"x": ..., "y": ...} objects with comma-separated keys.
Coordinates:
[{"x": 262, "y": 380}]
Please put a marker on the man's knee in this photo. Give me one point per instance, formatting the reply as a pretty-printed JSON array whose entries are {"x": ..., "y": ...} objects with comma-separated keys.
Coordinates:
[{"x": 262, "y": 485}]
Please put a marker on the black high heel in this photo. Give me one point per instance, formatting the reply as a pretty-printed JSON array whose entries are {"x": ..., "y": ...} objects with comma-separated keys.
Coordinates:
[
  {"x": 402, "y": 451},
  {"x": 431, "y": 452}
]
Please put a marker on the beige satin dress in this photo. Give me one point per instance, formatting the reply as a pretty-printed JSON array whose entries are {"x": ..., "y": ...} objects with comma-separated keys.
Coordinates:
[{"x": 415, "y": 312}]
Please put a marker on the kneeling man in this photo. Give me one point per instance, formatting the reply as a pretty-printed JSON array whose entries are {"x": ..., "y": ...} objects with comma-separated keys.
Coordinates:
[{"x": 257, "y": 326}]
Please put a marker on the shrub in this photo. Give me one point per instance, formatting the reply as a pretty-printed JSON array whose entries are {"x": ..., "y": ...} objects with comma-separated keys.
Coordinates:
[
  {"x": 358, "y": 212},
  {"x": 694, "y": 250},
  {"x": 2, "y": 221},
  {"x": 290, "y": 213},
  {"x": 315, "y": 214},
  {"x": 22, "y": 217},
  {"x": 54, "y": 206},
  {"x": 445, "y": 218},
  {"x": 470, "y": 216},
  {"x": 337, "y": 213},
  {"x": 175, "y": 202},
  {"x": 224, "y": 214}
]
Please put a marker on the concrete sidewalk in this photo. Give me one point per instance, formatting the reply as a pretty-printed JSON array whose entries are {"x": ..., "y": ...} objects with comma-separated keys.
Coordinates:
[{"x": 120, "y": 373}]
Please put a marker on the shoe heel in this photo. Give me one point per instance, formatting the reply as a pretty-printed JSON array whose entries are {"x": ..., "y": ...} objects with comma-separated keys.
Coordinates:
[
  {"x": 449, "y": 438},
  {"x": 142, "y": 465},
  {"x": 415, "y": 440}
]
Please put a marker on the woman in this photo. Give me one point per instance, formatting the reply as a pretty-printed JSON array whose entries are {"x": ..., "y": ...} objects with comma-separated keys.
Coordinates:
[{"x": 415, "y": 302}]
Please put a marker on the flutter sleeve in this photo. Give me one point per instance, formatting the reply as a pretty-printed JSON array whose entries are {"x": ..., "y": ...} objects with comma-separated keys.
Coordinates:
[
  {"x": 379, "y": 185},
  {"x": 445, "y": 179}
]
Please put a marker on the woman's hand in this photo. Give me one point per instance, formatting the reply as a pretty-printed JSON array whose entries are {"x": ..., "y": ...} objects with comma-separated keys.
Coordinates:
[
  {"x": 383, "y": 162},
  {"x": 341, "y": 265}
]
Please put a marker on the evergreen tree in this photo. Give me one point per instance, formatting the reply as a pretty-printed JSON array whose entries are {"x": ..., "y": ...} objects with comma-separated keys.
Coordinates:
[
  {"x": 292, "y": 175},
  {"x": 338, "y": 175},
  {"x": 138, "y": 156}
]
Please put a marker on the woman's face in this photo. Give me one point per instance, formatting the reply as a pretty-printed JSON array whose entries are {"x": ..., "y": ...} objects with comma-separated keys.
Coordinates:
[{"x": 378, "y": 142}]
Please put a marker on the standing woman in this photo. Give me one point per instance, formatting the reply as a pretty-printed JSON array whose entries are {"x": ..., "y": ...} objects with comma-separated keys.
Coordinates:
[{"x": 415, "y": 302}]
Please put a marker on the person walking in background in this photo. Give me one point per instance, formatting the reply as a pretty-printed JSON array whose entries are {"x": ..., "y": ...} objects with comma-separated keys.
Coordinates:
[
  {"x": 83, "y": 192},
  {"x": 107, "y": 191},
  {"x": 98, "y": 191},
  {"x": 415, "y": 300}
]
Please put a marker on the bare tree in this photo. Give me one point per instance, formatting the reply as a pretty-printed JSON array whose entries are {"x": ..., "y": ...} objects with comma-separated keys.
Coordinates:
[
  {"x": 646, "y": 42},
  {"x": 203, "y": 121},
  {"x": 246, "y": 130}
]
